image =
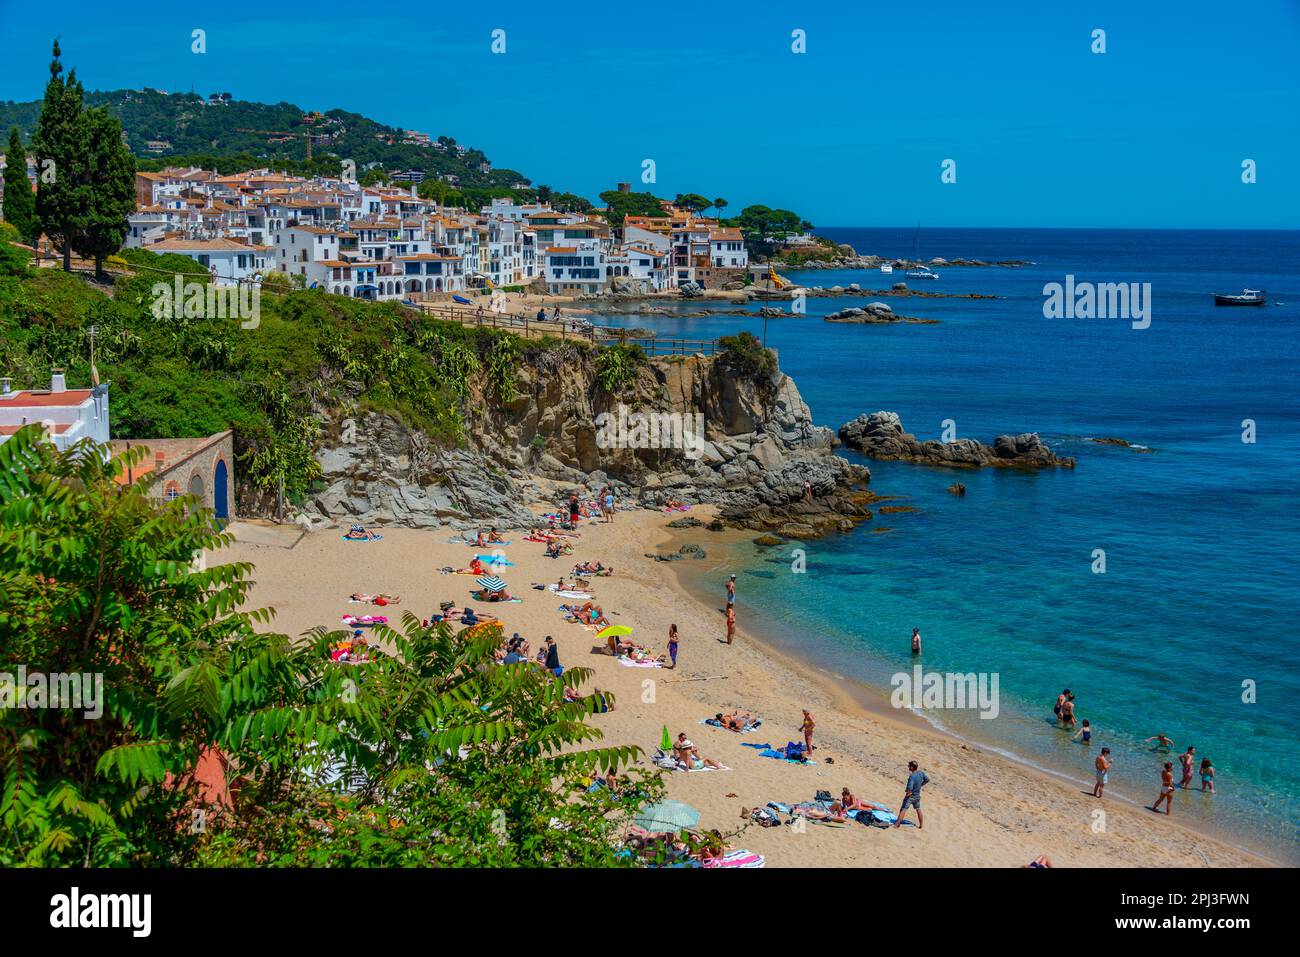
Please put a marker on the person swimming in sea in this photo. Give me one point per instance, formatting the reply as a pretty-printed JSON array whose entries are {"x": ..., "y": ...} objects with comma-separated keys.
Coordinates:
[
  {"x": 1085, "y": 732},
  {"x": 1163, "y": 742},
  {"x": 916, "y": 641}
]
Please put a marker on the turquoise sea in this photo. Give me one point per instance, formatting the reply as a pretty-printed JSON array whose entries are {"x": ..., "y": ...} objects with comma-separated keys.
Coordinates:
[{"x": 1197, "y": 603}]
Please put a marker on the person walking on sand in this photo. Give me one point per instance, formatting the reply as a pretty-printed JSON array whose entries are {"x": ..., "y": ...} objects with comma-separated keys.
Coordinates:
[
  {"x": 912, "y": 798},
  {"x": 1103, "y": 764},
  {"x": 672, "y": 644},
  {"x": 1188, "y": 761},
  {"x": 1166, "y": 789},
  {"x": 807, "y": 728},
  {"x": 916, "y": 641},
  {"x": 731, "y": 591},
  {"x": 731, "y": 623}
]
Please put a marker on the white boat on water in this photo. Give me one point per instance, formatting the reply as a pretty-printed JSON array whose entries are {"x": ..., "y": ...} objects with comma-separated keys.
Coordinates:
[
  {"x": 920, "y": 270},
  {"x": 887, "y": 267}
]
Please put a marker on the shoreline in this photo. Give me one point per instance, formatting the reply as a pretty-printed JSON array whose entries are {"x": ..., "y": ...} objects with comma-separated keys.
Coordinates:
[
  {"x": 857, "y": 699},
  {"x": 983, "y": 809}
]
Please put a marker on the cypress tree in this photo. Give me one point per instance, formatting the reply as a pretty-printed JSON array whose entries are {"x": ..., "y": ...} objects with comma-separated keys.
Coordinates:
[
  {"x": 110, "y": 188},
  {"x": 20, "y": 204},
  {"x": 61, "y": 199}
]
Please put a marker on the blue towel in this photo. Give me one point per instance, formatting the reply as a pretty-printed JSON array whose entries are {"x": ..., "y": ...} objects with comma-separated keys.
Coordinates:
[{"x": 748, "y": 744}]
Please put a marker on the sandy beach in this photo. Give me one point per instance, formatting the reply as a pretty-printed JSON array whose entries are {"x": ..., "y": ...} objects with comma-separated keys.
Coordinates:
[{"x": 982, "y": 809}]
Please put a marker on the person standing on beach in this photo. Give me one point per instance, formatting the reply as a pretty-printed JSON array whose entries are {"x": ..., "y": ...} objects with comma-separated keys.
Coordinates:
[
  {"x": 808, "y": 725},
  {"x": 573, "y": 509},
  {"x": 912, "y": 798},
  {"x": 916, "y": 641},
  {"x": 553, "y": 658},
  {"x": 672, "y": 644},
  {"x": 1188, "y": 761},
  {"x": 608, "y": 504},
  {"x": 807, "y": 490},
  {"x": 1103, "y": 764},
  {"x": 731, "y": 623},
  {"x": 1166, "y": 788}
]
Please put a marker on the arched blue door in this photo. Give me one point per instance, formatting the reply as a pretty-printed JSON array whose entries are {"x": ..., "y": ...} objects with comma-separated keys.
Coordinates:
[{"x": 220, "y": 496}]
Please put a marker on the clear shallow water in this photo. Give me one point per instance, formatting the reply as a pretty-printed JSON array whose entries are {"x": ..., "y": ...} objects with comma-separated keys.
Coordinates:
[{"x": 1201, "y": 537}]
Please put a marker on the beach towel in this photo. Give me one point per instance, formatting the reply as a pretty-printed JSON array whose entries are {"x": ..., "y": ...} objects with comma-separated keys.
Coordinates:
[
  {"x": 737, "y": 858},
  {"x": 715, "y": 723},
  {"x": 629, "y": 663},
  {"x": 365, "y": 619},
  {"x": 495, "y": 560},
  {"x": 568, "y": 593},
  {"x": 780, "y": 756},
  {"x": 373, "y": 538}
]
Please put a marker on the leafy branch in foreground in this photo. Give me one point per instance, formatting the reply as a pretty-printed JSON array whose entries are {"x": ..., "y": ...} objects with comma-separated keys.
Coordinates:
[{"x": 430, "y": 753}]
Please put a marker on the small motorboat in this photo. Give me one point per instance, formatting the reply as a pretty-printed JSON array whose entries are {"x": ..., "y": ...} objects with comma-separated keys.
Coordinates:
[
  {"x": 1247, "y": 297},
  {"x": 462, "y": 300},
  {"x": 921, "y": 272},
  {"x": 887, "y": 267}
]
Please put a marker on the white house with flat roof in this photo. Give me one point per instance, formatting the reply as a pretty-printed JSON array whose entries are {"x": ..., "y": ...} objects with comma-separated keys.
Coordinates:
[
  {"x": 68, "y": 415},
  {"x": 228, "y": 262}
]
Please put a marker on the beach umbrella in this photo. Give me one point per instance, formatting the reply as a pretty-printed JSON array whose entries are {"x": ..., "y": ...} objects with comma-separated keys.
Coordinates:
[
  {"x": 666, "y": 742},
  {"x": 667, "y": 816},
  {"x": 492, "y": 583},
  {"x": 614, "y": 630}
]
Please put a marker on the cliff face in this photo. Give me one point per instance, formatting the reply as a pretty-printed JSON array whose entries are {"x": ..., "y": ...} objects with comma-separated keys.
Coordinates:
[{"x": 690, "y": 428}]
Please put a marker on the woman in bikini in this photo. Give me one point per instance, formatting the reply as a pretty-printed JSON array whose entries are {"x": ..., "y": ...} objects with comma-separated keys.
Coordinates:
[
  {"x": 1166, "y": 788},
  {"x": 807, "y": 728}
]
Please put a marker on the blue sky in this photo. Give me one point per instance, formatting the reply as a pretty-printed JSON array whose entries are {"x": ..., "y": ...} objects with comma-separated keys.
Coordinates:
[{"x": 1044, "y": 132}]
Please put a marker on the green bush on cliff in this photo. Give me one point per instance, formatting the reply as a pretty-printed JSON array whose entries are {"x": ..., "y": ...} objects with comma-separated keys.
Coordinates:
[
  {"x": 745, "y": 355},
  {"x": 616, "y": 367},
  {"x": 179, "y": 377}
]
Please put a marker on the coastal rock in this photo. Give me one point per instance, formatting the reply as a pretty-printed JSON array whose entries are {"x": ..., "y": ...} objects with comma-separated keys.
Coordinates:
[
  {"x": 685, "y": 523},
  {"x": 881, "y": 435},
  {"x": 957, "y": 488}
]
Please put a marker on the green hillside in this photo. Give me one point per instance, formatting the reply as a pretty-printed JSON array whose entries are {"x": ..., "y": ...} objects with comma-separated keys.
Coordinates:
[{"x": 194, "y": 128}]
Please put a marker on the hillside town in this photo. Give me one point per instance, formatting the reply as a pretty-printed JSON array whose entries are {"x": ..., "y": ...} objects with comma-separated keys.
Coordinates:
[{"x": 384, "y": 243}]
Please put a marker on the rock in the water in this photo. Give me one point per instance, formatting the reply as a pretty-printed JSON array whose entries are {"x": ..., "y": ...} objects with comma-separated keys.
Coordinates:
[
  {"x": 881, "y": 435},
  {"x": 957, "y": 488}
]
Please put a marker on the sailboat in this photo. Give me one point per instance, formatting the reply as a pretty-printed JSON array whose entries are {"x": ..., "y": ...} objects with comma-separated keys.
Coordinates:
[{"x": 921, "y": 271}]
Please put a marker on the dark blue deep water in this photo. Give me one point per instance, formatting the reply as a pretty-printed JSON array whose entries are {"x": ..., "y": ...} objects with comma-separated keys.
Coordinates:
[{"x": 1198, "y": 602}]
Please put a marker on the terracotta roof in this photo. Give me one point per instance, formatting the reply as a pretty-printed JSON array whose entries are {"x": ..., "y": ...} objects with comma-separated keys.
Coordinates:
[{"x": 43, "y": 399}]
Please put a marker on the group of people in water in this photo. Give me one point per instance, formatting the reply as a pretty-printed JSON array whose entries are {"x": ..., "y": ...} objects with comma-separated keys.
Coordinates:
[{"x": 1064, "y": 712}]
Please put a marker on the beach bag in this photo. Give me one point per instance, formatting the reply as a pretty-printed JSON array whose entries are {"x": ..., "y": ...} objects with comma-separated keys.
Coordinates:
[{"x": 824, "y": 796}]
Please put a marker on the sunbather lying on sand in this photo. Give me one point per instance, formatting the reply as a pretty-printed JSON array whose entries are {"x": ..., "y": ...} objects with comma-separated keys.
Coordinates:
[
  {"x": 814, "y": 813},
  {"x": 591, "y": 568},
  {"x": 381, "y": 599},
  {"x": 491, "y": 538},
  {"x": 587, "y": 614},
  {"x": 556, "y": 549},
  {"x": 359, "y": 533},
  {"x": 735, "y": 720}
]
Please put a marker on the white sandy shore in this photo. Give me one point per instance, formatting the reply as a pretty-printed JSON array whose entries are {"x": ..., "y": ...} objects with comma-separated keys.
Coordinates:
[{"x": 981, "y": 809}]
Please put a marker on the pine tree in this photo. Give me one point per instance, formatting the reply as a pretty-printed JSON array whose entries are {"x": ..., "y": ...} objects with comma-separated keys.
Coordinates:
[
  {"x": 110, "y": 183},
  {"x": 20, "y": 204},
  {"x": 61, "y": 193}
]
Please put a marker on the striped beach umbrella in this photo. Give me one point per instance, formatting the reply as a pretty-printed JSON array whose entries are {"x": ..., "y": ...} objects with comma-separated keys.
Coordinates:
[{"x": 492, "y": 583}]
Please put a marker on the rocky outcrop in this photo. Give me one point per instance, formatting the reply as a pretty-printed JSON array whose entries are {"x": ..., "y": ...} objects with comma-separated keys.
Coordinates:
[
  {"x": 874, "y": 312},
  {"x": 743, "y": 441},
  {"x": 881, "y": 436}
]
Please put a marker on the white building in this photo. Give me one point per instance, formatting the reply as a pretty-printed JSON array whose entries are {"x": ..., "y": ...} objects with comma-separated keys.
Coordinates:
[
  {"x": 581, "y": 267},
  {"x": 68, "y": 415},
  {"x": 228, "y": 262}
]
